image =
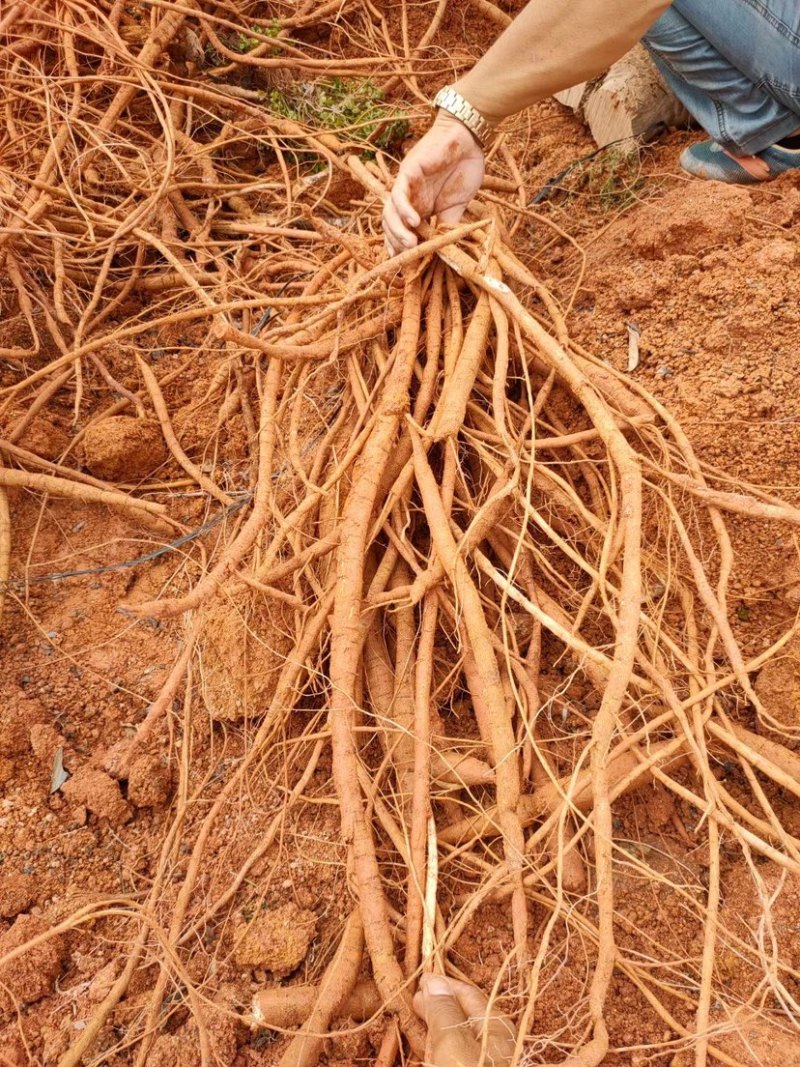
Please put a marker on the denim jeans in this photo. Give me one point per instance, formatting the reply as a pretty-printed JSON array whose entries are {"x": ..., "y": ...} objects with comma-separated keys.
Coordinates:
[{"x": 735, "y": 64}]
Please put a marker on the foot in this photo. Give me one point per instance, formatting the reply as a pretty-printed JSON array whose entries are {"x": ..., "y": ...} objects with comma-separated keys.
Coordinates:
[{"x": 709, "y": 160}]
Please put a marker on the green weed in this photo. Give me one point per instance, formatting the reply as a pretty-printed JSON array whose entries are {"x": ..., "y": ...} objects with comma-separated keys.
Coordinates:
[
  {"x": 338, "y": 104},
  {"x": 246, "y": 42},
  {"x": 613, "y": 179},
  {"x": 271, "y": 30}
]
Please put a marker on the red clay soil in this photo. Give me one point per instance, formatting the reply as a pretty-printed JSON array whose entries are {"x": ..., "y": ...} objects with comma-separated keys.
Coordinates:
[{"x": 709, "y": 277}]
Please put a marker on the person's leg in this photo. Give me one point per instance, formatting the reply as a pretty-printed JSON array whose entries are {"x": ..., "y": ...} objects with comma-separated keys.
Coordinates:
[{"x": 735, "y": 64}]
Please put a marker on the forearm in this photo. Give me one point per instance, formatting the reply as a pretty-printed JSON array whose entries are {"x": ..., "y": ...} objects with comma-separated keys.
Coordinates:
[{"x": 552, "y": 45}]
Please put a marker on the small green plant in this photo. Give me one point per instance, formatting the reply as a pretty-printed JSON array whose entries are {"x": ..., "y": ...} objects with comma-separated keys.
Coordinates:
[
  {"x": 242, "y": 43},
  {"x": 613, "y": 179},
  {"x": 271, "y": 30},
  {"x": 355, "y": 107},
  {"x": 246, "y": 42}
]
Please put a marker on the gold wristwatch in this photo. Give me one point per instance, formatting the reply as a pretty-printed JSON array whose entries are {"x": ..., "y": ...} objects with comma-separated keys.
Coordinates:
[{"x": 454, "y": 104}]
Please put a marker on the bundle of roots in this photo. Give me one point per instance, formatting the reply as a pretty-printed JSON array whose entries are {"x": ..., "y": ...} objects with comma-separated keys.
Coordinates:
[{"x": 457, "y": 514}]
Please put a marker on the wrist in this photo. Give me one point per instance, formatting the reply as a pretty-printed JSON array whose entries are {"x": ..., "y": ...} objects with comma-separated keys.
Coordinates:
[
  {"x": 455, "y": 128},
  {"x": 453, "y": 103},
  {"x": 471, "y": 90}
]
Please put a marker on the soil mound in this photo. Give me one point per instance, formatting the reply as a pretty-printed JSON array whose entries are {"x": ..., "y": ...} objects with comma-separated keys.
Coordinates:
[
  {"x": 692, "y": 223},
  {"x": 244, "y": 648},
  {"x": 778, "y": 686},
  {"x": 123, "y": 448},
  {"x": 277, "y": 940},
  {"x": 30, "y": 977}
]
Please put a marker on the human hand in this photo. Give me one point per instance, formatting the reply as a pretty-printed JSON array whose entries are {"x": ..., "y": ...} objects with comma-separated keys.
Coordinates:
[
  {"x": 439, "y": 176},
  {"x": 456, "y": 1015}
]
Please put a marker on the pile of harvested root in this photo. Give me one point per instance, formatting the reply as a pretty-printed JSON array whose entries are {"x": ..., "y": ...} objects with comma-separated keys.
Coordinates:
[{"x": 447, "y": 504}]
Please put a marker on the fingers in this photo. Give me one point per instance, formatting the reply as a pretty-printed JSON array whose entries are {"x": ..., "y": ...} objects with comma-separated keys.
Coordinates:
[
  {"x": 400, "y": 218},
  {"x": 438, "y": 1005},
  {"x": 502, "y": 1033},
  {"x": 397, "y": 235},
  {"x": 450, "y": 1040},
  {"x": 401, "y": 195},
  {"x": 457, "y": 1014}
]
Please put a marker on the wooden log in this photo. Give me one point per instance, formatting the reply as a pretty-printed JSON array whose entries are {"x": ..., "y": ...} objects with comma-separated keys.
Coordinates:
[
  {"x": 628, "y": 101},
  {"x": 572, "y": 98}
]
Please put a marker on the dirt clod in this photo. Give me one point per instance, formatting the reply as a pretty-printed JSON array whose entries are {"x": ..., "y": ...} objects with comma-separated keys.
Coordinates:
[
  {"x": 12, "y": 1048},
  {"x": 17, "y": 893},
  {"x": 33, "y": 975},
  {"x": 244, "y": 648},
  {"x": 776, "y": 255},
  {"x": 102, "y": 982},
  {"x": 149, "y": 782},
  {"x": 276, "y": 940},
  {"x": 182, "y": 1049},
  {"x": 45, "y": 740},
  {"x": 45, "y": 439},
  {"x": 778, "y": 686},
  {"x": 99, "y": 793},
  {"x": 123, "y": 448},
  {"x": 752, "y": 1040},
  {"x": 13, "y": 732}
]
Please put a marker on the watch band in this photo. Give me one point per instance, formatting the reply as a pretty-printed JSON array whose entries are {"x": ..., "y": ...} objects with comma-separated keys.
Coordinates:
[{"x": 454, "y": 103}]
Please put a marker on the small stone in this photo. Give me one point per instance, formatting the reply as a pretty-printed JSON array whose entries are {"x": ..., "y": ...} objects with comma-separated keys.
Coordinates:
[{"x": 276, "y": 940}]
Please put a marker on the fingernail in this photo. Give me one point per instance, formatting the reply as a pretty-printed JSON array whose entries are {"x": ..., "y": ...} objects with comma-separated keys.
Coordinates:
[{"x": 437, "y": 986}]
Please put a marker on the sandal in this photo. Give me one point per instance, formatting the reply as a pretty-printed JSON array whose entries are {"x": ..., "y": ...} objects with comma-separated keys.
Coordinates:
[{"x": 711, "y": 161}]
